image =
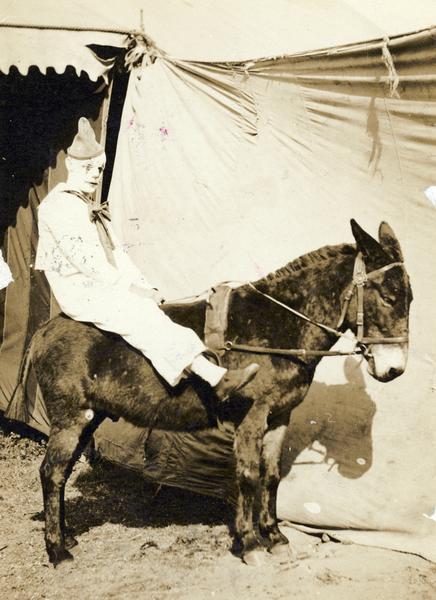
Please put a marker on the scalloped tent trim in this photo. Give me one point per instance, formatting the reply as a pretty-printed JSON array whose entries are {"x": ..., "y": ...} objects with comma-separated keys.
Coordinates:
[{"x": 72, "y": 50}]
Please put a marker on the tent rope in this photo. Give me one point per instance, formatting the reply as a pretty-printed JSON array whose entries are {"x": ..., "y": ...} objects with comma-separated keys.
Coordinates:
[
  {"x": 141, "y": 50},
  {"x": 393, "y": 78}
]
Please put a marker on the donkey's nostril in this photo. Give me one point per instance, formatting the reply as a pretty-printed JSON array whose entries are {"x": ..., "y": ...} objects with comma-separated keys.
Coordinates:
[{"x": 394, "y": 372}]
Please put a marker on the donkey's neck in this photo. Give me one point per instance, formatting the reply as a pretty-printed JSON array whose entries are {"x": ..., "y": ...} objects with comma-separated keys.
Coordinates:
[{"x": 312, "y": 285}]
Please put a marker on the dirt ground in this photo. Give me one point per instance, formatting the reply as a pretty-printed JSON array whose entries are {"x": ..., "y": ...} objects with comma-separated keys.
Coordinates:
[{"x": 174, "y": 546}]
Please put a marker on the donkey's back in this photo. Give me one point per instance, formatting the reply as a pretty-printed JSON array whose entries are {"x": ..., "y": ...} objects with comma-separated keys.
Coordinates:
[{"x": 81, "y": 368}]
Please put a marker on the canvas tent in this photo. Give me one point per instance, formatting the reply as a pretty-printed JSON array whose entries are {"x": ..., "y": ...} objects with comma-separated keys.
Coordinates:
[{"x": 269, "y": 124}]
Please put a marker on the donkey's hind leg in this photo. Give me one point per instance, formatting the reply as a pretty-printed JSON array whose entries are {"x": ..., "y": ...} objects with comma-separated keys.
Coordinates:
[
  {"x": 270, "y": 479},
  {"x": 69, "y": 539},
  {"x": 63, "y": 449}
]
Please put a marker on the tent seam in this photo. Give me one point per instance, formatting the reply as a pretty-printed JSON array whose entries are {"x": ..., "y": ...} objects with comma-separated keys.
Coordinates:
[{"x": 67, "y": 28}]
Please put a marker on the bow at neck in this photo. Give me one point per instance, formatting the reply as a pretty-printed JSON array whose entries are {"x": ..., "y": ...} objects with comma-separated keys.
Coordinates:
[
  {"x": 98, "y": 213},
  {"x": 97, "y": 210}
]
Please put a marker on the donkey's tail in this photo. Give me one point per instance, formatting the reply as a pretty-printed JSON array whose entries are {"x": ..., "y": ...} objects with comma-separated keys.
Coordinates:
[
  {"x": 17, "y": 409},
  {"x": 25, "y": 365}
]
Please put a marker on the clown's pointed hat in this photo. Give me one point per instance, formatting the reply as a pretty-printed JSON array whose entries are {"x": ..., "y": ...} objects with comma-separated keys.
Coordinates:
[{"x": 84, "y": 145}]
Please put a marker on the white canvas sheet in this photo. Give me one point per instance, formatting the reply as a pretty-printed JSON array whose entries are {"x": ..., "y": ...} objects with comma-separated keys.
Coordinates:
[{"x": 228, "y": 171}]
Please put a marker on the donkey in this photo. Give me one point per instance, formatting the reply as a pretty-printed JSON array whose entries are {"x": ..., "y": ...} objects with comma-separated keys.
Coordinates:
[{"x": 87, "y": 375}]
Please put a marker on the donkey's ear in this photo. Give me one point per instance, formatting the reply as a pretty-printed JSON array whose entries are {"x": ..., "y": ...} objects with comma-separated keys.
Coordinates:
[
  {"x": 369, "y": 247},
  {"x": 389, "y": 242}
]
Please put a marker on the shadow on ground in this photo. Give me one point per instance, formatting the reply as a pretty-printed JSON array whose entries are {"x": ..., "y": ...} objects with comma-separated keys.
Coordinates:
[{"x": 111, "y": 494}]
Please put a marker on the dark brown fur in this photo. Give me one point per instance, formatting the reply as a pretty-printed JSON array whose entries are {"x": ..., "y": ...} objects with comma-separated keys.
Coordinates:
[{"x": 79, "y": 367}]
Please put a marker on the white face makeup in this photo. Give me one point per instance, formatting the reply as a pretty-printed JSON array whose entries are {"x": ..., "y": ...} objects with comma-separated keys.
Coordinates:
[{"x": 85, "y": 175}]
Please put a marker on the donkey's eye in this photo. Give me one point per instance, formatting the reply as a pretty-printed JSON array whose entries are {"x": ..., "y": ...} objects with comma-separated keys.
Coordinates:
[{"x": 387, "y": 300}]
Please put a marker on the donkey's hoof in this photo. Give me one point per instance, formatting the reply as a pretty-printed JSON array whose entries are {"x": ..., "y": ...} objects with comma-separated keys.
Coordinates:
[
  {"x": 59, "y": 555},
  {"x": 255, "y": 558},
  {"x": 70, "y": 541}
]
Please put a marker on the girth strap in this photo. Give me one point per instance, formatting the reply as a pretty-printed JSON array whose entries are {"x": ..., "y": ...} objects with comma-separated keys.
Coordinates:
[{"x": 215, "y": 324}]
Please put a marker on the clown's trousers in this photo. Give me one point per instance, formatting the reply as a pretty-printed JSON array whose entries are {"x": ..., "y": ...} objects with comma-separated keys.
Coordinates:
[{"x": 170, "y": 347}]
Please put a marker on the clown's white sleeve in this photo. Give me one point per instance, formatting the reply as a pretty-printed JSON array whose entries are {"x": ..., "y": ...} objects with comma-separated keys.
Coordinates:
[{"x": 74, "y": 240}]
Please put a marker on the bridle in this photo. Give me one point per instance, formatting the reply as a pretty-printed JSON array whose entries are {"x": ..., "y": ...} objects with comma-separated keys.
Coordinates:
[
  {"x": 360, "y": 277},
  {"x": 357, "y": 286}
]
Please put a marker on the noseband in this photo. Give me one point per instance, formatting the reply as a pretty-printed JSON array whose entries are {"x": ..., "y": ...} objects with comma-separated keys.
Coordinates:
[{"x": 360, "y": 277}]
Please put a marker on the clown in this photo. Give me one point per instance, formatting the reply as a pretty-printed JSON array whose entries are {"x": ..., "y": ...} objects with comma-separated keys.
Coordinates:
[{"x": 94, "y": 280}]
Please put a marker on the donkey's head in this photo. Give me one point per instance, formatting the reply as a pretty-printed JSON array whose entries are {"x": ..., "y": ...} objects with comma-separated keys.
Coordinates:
[{"x": 385, "y": 296}]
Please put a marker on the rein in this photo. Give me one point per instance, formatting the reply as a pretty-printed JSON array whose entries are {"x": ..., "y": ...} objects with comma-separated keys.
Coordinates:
[{"x": 360, "y": 277}]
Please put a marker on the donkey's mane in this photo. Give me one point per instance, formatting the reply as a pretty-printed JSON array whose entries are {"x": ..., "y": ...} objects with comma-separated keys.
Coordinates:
[{"x": 312, "y": 259}]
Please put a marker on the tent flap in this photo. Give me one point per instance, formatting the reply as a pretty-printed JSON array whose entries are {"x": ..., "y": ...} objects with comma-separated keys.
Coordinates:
[{"x": 224, "y": 173}]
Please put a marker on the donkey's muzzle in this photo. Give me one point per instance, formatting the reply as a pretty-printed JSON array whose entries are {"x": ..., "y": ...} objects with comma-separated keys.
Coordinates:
[{"x": 386, "y": 361}]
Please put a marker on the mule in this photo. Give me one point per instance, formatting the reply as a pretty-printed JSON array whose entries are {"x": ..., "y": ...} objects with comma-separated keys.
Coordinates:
[{"x": 87, "y": 375}]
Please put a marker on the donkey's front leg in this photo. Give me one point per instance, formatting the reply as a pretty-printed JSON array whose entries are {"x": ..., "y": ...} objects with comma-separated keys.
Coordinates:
[
  {"x": 270, "y": 479},
  {"x": 248, "y": 447}
]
